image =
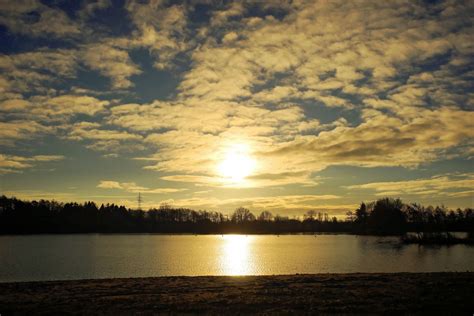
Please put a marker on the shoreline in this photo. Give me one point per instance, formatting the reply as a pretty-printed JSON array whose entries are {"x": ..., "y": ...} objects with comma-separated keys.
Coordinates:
[
  {"x": 226, "y": 233},
  {"x": 341, "y": 293}
]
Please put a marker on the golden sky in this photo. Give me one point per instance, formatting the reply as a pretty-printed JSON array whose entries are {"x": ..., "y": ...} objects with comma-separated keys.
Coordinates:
[{"x": 277, "y": 105}]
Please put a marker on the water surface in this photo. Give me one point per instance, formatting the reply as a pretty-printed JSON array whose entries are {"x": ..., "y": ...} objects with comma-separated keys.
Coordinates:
[{"x": 59, "y": 257}]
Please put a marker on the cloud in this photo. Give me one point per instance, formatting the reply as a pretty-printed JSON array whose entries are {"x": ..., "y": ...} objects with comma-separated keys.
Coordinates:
[
  {"x": 40, "y": 115},
  {"x": 16, "y": 164},
  {"x": 419, "y": 136},
  {"x": 410, "y": 138},
  {"x": 230, "y": 37},
  {"x": 36, "y": 71},
  {"x": 444, "y": 185},
  {"x": 252, "y": 181},
  {"x": 290, "y": 204},
  {"x": 221, "y": 17},
  {"x": 109, "y": 185},
  {"x": 324, "y": 47},
  {"x": 90, "y": 8},
  {"x": 31, "y": 17},
  {"x": 197, "y": 146},
  {"x": 112, "y": 62},
  {"x": 13, "y": 131},
  {"x": 68, "y": 105},
  {"x": 44, "y": 115},
  {"x": 107, "y": 140},
  {"x": 132, "y": 187},
  {"x": 47, "y": 158},
  {"x": 53, "y": 109},
  {"x": 160, "y": 28}
]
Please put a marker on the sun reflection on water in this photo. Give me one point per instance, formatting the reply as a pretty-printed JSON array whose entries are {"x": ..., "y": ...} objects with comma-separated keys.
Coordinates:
[{"x": 236, "y": 259}]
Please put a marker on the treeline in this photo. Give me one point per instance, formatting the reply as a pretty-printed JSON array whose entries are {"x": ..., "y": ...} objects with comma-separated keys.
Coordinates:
[
  {"x": 385, "y": 216},
  {"x": 25, "y": 217},
  {"x": 392, "y": 216}
]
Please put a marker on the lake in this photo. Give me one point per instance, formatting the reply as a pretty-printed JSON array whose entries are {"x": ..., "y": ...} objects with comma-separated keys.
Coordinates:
[{"x": 91, "y": 256}]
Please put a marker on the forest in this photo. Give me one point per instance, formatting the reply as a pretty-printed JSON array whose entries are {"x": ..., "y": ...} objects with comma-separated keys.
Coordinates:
[{"x": 386, "y": 216}]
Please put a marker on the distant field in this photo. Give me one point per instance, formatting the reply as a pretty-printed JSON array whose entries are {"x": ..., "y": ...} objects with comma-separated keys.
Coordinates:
[{"x": 397, "y": 292}]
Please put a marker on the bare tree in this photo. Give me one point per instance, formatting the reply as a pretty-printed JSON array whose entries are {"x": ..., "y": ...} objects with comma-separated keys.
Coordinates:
[
  {"x": 265, "y": 216},
  {"x": 241, "y": 215}
]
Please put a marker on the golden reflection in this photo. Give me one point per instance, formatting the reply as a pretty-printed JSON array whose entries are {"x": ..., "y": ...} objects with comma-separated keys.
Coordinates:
[{"x": 235, "y": 259}]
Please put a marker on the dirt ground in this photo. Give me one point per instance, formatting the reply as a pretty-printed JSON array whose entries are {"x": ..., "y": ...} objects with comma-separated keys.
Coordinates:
[{"x": 281, "y": 294}]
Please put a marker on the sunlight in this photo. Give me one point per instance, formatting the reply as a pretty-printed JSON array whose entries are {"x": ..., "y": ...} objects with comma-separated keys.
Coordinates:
[
  {"x": 237, "y": 164},
  {"x": 235, "y": 255}
]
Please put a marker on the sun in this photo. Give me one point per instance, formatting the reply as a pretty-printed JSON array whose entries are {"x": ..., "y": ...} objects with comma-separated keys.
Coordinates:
[{"x": 237, "y": 164}]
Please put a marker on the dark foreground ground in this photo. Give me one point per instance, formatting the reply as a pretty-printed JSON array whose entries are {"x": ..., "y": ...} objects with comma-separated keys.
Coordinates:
[{"x": 341, "y": 293}]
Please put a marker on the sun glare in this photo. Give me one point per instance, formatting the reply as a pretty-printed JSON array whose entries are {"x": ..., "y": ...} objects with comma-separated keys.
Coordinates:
[
  {"x": 237, "y": 164},
  {"x": 236, "y": 259}
]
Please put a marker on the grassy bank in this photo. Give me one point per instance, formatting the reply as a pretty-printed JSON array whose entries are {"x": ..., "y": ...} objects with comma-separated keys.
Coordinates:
[{"x": 397, "y": 292}]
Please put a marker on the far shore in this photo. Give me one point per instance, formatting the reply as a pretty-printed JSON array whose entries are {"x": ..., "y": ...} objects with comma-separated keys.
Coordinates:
[
  {"x": 422, "y": 239},
  {"x": 446, "y": 292},
  {"x": 229, "y": 233}
]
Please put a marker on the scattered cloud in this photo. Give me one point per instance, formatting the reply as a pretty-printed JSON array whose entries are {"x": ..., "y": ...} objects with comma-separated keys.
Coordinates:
[
  {"x": 13, "y": 131},
  {"x": 160, "y": 28},
  {"x": 31, "y": 17},
  {"x": 36, "y": 71},
  {"x": 16, "y": 164},
  {"x": 251, "y": 91},
  {"x": 415, "y": 137},
  {"x": 47, "y": 109},
  {"x": 112, "y": 62},
  {"x": 444, "y": 185},
  {"x": 105, "y": 140},
  {"x": 303, "y": 84}
]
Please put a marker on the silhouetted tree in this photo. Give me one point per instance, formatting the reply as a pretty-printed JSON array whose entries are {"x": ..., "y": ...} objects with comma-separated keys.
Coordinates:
[
  {"x": 350, "y": 216},
  {"x": 265, "y": 216},
  {"x": 310, "y": 215},
  {"x": 387, "y": 217},
  {"x": 241, "y": 215},
  {"x": 361, "y": 214}
]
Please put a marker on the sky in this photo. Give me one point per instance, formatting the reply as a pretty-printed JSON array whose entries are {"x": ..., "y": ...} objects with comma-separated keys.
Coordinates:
[{"x": 283, "y": 106}]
